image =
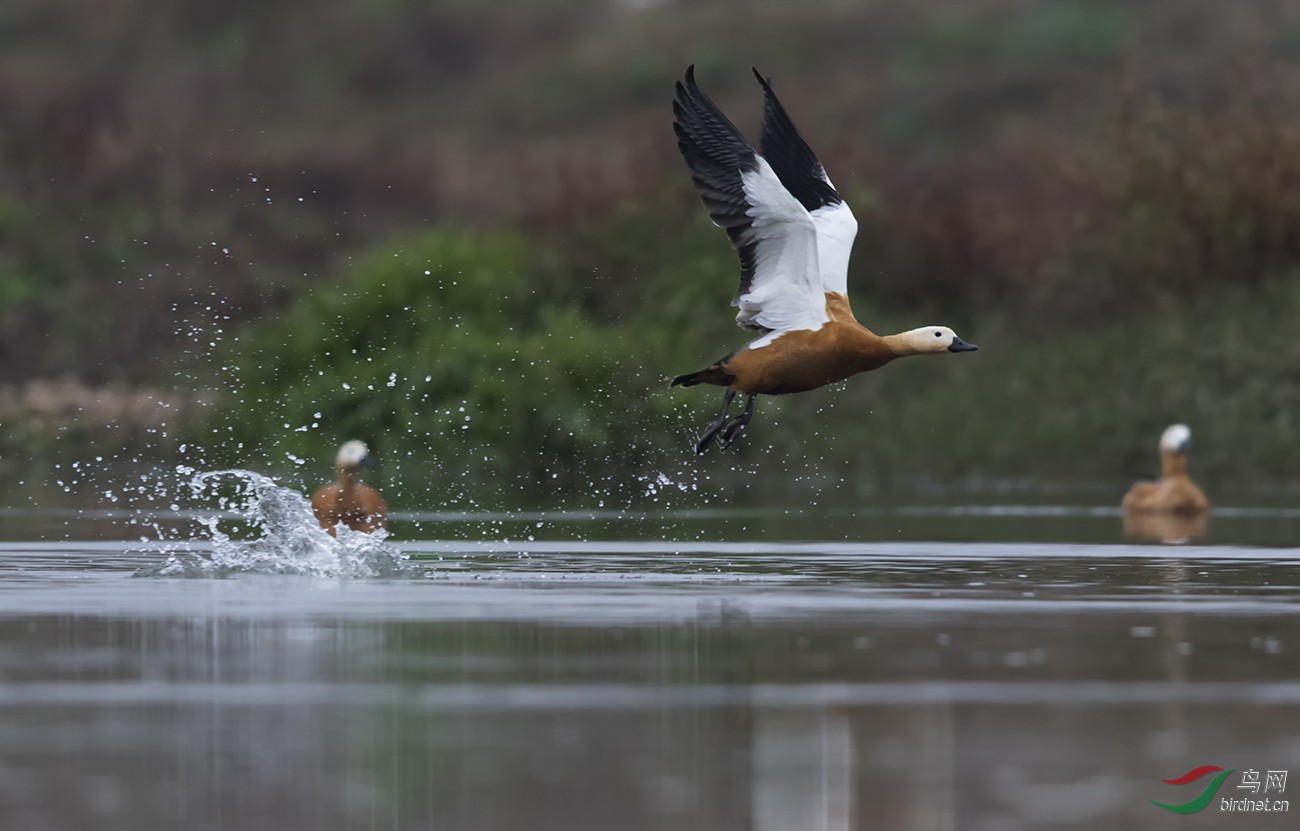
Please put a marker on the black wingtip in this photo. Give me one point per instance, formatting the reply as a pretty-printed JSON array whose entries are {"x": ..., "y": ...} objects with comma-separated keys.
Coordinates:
[
  {"x": 690, "y": 74},
  {"x": 790, "y": 156}
]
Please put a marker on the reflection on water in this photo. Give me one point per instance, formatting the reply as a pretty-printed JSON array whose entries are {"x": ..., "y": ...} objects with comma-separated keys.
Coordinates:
[
  {"x": 1171, "y": 529},
  {"x": 1277, "y": 526},
  {"x": 669, "y": 685}
]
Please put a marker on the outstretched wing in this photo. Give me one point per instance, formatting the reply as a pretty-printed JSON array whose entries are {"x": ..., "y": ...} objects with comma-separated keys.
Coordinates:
[
  {"x": 803, "y": 176},
  {"x": 780, "y": 284}
]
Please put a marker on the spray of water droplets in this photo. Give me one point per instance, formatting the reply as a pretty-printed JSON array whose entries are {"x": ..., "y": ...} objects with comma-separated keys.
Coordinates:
[{"x": 287, "y": 539}]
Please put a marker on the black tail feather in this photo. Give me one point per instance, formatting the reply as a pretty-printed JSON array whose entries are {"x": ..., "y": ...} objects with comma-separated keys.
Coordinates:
[{"x": 690, "y": 379}]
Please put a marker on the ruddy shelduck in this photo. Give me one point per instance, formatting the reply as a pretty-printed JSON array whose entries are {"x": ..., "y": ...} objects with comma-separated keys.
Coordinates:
[
  {"x": 1174, "y": 492},
  {"x": 346, "y": 500},
  {"x": 794, "y": 234}
]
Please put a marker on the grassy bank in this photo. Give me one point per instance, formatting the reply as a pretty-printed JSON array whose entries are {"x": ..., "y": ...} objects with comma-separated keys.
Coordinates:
[{"x": 440, "y": 352}]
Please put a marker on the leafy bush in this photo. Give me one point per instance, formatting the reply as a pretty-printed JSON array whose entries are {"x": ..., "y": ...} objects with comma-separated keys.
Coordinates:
[{"x": 438, "y": 349}]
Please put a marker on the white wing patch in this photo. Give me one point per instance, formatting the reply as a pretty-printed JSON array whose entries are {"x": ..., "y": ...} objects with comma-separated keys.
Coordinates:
[
  {"x": 788, "y": 224},
  {"x": 803, "y": 175},
  {"x": 786, "y": 292},
  {"x": 836, "y": 230}
]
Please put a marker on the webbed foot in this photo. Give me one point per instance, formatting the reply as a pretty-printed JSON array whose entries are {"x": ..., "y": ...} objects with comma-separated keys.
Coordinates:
[
  {"x": 736, "y": 425},
  {"x": 718, "y": 422}
]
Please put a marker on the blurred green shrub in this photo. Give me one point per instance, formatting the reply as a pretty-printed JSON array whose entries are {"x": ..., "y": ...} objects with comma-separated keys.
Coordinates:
[{"x": 441, "y": 350}]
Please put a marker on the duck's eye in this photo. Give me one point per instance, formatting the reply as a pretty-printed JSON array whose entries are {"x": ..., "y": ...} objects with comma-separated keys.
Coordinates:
[{"x": 938, "y": 334}]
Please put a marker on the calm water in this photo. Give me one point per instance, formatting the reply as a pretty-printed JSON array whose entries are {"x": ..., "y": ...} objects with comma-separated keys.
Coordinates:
[{"x": 917, "y": 667}]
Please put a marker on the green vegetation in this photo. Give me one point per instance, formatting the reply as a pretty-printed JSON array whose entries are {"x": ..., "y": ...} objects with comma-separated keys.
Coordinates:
[
  {"x": 436, "y": 349},
  {"x": 1090, "y": 404},
  {"x": 467, "y": 387}
]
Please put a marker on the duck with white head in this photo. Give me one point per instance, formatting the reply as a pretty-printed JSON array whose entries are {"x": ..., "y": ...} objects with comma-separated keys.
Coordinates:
[
  {"x": 1174, "y": 492},
  {"x": 347, "y": 500}
]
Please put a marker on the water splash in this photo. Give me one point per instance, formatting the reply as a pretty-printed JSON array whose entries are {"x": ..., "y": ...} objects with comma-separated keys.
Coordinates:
[{"x": 289, "y": 541}]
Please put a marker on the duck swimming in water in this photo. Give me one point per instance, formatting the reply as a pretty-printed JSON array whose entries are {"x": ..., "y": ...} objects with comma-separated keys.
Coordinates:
[
  {"x": 1174, "y": 492},
  {"x": 347, "y": 500},
  {"x": 793, "y": 233}
]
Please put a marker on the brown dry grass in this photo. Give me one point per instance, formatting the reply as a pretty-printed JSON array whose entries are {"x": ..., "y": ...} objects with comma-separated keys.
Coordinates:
[{"x": 1064, "y": 160}]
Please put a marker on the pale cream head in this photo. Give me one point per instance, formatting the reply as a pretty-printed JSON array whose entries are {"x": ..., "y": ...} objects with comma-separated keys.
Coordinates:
[
  {"x": 929, "y": 339},
  {"x": 1176, "y": 438},
  {"x": 352, "y": 455}
]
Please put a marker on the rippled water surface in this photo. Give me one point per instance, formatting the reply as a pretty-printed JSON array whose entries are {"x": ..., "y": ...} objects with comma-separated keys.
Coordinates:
[{"x": 916, "y": 667}]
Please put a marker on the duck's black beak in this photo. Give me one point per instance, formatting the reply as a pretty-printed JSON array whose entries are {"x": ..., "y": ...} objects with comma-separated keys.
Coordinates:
[
  {"x": 959, "y": 345},
  {"x": 366, "y": 461}
]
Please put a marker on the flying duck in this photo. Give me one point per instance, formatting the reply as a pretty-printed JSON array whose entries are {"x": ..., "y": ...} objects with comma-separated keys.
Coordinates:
[
  {"x": 1174, "y": 492},
  {"x": 794, "y": 234},
  {"x": 346, "y": 500}
]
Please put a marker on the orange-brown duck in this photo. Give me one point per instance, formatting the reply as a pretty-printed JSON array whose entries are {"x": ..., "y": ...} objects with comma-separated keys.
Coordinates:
[
  {"x": 793, "y": 233},
  {"x": 1174, "y": 492},
  {"x": 346, "y": 500}
]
